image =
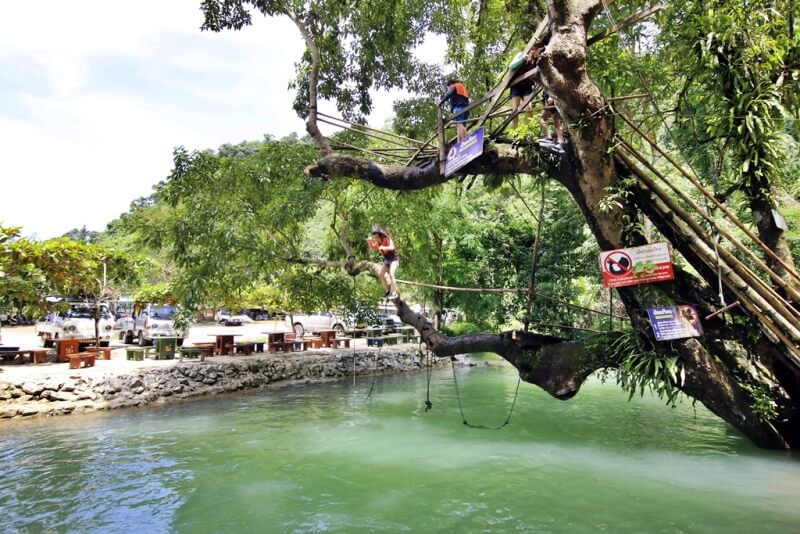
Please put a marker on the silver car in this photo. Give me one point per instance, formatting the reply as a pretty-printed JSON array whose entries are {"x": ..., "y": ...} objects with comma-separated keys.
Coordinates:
[{"x": 301, "y": 323}]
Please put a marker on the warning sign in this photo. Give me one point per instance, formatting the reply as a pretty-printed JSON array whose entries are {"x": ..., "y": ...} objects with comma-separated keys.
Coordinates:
[
  {"x": 464, "y": 151},
  {"x": 675, "y": 322},
  {"x": 637, "y": 265}
]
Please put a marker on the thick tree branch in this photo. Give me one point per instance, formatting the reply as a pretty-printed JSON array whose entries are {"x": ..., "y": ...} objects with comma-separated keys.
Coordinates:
[
  {"x": 496, "y": 159},
  {"x": 313, "y": 78}
]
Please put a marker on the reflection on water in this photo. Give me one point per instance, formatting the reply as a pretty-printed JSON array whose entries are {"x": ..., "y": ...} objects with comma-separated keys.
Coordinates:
[{"x": 319, "y": 458}]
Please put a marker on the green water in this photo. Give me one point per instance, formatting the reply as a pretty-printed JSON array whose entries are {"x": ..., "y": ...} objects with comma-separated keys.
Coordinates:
[{"x": 318, "y": 459}]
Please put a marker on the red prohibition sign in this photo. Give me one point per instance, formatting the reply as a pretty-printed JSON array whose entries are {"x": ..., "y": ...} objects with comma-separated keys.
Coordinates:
[{"x": 618, "y": 263}]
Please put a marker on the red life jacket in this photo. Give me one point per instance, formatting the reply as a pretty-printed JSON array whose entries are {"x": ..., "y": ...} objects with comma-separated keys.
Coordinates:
[{"x": 460, "y": 98}]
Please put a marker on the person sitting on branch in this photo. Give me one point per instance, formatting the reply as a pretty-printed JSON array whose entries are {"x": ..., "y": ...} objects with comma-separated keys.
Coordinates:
[
  {"x": 382, "y": 242},
  {"x": 458, "y": 96}
]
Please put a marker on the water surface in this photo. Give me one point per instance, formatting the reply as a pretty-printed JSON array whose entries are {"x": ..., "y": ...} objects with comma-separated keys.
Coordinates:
[{"x": 320, "y": 459}]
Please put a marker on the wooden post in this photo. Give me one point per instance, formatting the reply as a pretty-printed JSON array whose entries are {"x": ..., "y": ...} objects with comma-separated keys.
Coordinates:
[{"x": 442, "y": 145}]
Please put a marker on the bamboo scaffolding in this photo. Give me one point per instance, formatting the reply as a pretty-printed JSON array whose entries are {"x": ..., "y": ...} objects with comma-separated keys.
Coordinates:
[
  {"x": 419, "y": 151},
  {"x": 730, "y": 261},
  {"x": 416, "y": 141},
  {"x": 353, "y": 127},
  {"x": 503, "y": 125},
  {"x": 770, "y": 328},
  {"x": 698, "y": 240},
  {"x": 731, "y": 217},
  {"x": 500, "y": 88},
  {"x": 633, "y": 19},
  {"x": 348, "y": 146},
  {"x": 790, "y": 290}
]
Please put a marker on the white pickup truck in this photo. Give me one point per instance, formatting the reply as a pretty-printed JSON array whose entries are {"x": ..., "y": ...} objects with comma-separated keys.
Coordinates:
[
  {"x": 75, "y": 323},
  {"x": 153, "y": 321}
]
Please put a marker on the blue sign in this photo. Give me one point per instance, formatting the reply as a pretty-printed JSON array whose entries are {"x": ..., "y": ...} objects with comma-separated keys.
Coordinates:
[
  {"x": 464, "y": 151},
  {"x": 675, "y": 322}
]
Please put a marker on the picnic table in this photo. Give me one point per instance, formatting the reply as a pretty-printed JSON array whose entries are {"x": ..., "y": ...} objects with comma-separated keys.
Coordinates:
[
  {"x": 34, "y": 355},
  {"x": 379, "y": 341},
  {"x": 328, "y": 337},
  {"x": 65, "y": 347},
  {"x": 224, "y": 344},
  {"x": 409, "y": 334}
]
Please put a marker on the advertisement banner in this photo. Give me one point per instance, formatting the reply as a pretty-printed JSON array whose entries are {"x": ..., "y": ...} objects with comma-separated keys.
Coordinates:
[
  {"x": 636, "y": 265},
  {"x": 464, "y": 151},
  {"x": 675, "y": 322}
]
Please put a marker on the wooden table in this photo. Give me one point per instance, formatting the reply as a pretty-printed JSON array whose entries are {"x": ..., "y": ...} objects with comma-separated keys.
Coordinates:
[
  {"x": 328, "y": 337},
  {"x": 65, "y": 347},
  {"x": 224, "y": 344}
]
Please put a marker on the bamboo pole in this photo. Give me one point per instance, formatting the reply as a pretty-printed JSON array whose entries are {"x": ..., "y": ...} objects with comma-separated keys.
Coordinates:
[
  {"x": 352, "y": 124},
  {"x": 633, "y": 19},
  {"x": 735, "y": 220},
  {"x": 390, "y": 157},
  {"x": 503, "y": 84},
  {"x": 419, "y": 151},
  {"x": 729, "y": 261},
  {"x": 770, "y": 328},
  {"x": 790, "y": 290},
  {"x": 442, "y": 145},
  {"x": 354, "y": 128},
  {"x": 755, "y": 302}
]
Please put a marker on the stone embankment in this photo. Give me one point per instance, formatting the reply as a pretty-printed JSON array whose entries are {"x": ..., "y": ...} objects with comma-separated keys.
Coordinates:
[{"x": 64, "y": 391}]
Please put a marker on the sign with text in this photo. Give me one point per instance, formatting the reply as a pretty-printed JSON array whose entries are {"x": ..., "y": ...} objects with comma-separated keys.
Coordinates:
[
  {"x": 464, "y": 151},
  {"x": 636, "y": 265},
  {"x": 675, "y": 322}
]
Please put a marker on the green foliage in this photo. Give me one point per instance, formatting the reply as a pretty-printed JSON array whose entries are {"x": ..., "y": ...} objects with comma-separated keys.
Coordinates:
[
  {"x": 30, "y": 271},
  {"x": 639, "y": 370},
  {"x": 763, "y": 404},
  {"x": 460, "y": 329}
]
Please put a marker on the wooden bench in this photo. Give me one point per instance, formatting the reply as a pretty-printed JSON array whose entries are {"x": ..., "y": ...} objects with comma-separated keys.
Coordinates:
[
  {"x": 40, "y": 355},
  {"x": 195, "y": 352},
  {"x": 33, "y": 355},
  {"x": 104, "y": 352},
  {"x": 379, "y": 341},
  {"x": 340, "y": 342},
  {"x": 81, "y": 358},
  {"x": 244, "y": 347}
]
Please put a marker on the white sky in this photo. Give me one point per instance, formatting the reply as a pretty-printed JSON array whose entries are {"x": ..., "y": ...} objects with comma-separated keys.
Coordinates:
[{"x": 94, "y": 95}]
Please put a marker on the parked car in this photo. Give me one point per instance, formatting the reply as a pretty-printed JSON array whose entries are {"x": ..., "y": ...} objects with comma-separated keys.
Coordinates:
[
  {"x": 257, "y": 314},
  {"x": 76, "y": 323},
  {"x": 224, "y": 317},
  {"x": 301, "y": 323},
  {"x": 152, "y": 321}
]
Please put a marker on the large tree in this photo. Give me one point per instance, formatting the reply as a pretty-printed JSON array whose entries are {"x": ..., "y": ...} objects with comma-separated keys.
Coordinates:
[{"x": 745, "y": 369}]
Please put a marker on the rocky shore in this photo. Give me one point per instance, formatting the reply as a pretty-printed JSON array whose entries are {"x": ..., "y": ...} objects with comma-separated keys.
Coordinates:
[{"x": 55, "y": 390}]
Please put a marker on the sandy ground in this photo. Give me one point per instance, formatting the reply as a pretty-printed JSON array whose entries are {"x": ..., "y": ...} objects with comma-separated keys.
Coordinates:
[{"x": 24, "y": 337}]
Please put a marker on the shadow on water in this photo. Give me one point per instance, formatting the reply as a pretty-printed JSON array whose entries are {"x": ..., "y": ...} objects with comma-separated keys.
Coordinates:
[{"x": 319, "y": 458}]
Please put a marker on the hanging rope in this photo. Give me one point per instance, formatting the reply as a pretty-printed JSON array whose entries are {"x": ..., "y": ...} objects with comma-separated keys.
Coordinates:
[
  {"x": 461, "y": 406},
  {"x": 429, "y": 370},
  {"x": 535, "y": 260}
]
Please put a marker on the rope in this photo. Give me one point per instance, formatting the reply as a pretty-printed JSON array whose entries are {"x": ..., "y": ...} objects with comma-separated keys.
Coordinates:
[
  {"x": 429, "y": 371},
  {"x": 374, "y": 364},
  {"x": 461, "y": 406},
  {"x": 535, "y": 260},
  {"x": 509, "y": 290}
]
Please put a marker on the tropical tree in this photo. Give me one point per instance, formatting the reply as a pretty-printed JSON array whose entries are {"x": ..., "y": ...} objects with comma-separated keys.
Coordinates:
[{"x": 745, "y": 369}]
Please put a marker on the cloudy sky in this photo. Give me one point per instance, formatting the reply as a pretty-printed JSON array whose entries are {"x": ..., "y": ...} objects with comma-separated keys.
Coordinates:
[{"x": 94, "y": 95}]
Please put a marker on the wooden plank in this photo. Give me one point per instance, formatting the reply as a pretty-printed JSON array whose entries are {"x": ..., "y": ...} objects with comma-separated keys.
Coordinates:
[{"x": 442, "y": 143}]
